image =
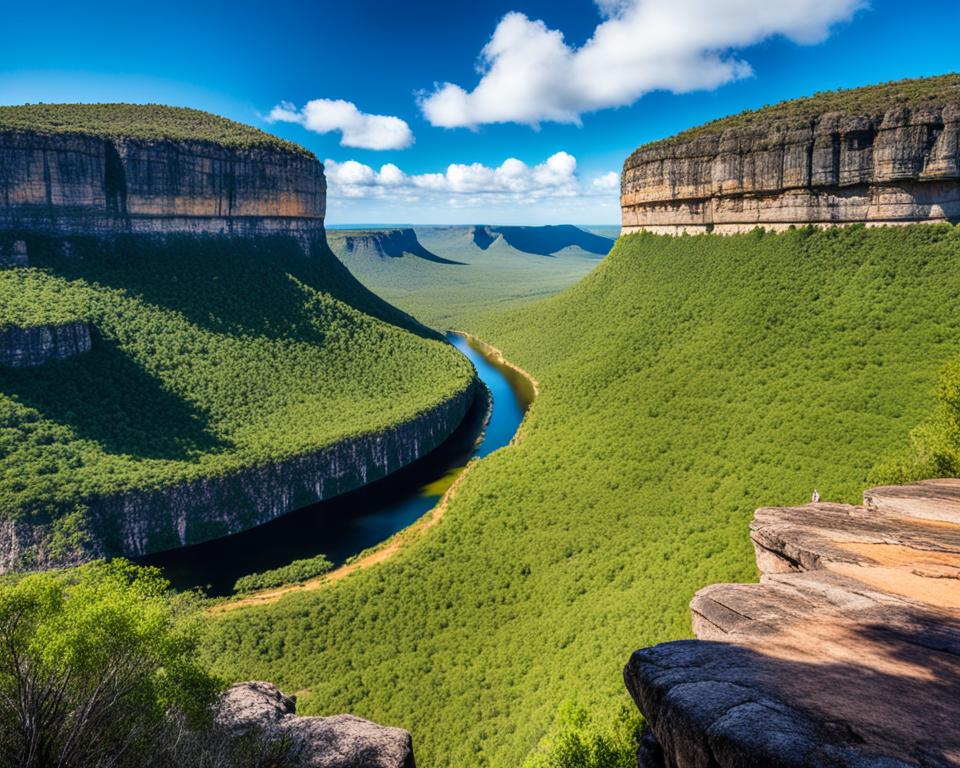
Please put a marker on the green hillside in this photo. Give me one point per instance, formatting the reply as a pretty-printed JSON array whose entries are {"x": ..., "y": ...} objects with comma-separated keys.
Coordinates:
[
  {"x": 141, "y": 121},
  {"x": 210, "y": 355},
  {"x": 685, "y": 382},
  {"x": 444, "y": 295}
]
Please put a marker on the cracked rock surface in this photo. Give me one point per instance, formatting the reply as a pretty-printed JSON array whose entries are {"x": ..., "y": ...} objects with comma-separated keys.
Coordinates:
[{"x": 847, "y": 653}]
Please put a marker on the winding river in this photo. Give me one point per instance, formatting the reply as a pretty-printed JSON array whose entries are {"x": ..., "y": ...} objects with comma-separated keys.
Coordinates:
[{"x": 346, "y": 525}]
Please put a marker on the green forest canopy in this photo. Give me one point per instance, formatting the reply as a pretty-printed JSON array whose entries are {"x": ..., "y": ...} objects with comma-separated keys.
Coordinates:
[
  {"x": 141, "y": 121},
  {"x": 685, "y": 382},
  {"x": 211, "y": 354}
]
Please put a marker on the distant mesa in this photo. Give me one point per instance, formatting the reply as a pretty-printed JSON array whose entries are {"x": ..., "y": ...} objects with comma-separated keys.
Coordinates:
[
  {"x": 542, "y": 241},
  {"x": 381, "y": 244},
  {"x": 886, "y": 154}
]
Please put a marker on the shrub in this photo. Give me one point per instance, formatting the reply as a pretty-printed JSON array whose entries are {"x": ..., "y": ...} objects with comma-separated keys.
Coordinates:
[
  {"x": 295, "y": 572},
  {"x": 96, "y": 665}
]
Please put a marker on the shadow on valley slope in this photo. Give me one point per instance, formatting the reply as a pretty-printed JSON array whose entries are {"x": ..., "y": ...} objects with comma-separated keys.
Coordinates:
[
  {"x": 542, "y": 241},
  {"x": 107, "y": 397},
  {"x": 266, "y": 286}
]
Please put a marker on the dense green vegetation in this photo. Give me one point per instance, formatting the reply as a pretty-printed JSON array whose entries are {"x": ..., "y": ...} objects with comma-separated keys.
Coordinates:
[
  {"x": 869, "y": 100},
  {"x": 97, "y": 665},
  {"x": 447, "y": 295},
  {"x": 576, "y": 741},
  {"x": 293, "y": 573},
  {"x": 210, "y": 355},
  {"x": 141, "y": 121},
  {"x": 934, "y": 449},
  {"x": 99, "y": 669},
  {"x": 685, "y": 382}
]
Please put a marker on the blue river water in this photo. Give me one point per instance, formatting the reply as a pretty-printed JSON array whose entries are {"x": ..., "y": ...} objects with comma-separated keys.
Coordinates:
[{"x": 346, "y": 525}]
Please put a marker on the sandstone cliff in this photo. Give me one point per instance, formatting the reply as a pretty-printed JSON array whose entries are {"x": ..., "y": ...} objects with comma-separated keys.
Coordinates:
[
  {"x": 142, "y": 521},
  {"x": 846, "y": 654},
  {"x": 81, "y": 184},
  {"x": 891, "y": 163}
]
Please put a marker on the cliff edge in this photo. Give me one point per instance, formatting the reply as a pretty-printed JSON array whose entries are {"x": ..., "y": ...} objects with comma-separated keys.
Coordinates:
[
  {"x": 887, "y": 154},
  {"x": 847, "y": 653},
  {"x": 102, "y": 169}
]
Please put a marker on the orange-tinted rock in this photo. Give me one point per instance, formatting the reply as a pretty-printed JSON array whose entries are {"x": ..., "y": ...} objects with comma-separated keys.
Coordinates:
[{"x": 846, "y": 654}]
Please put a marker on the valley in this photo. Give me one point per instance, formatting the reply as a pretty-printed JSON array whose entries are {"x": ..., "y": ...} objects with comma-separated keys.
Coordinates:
[
  {"x": 815, "y": 354},
  {"x": 450, "y": 274},
  {"x": 300, "y": 495}
]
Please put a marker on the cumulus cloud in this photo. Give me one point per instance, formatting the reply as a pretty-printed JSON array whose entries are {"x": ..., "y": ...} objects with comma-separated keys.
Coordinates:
[
  {"x": 608, "y": 182},
  {"x": 529, "y": 74},
  {"x": 462, "y": 184},
  {"x": 357, "y": 129}
]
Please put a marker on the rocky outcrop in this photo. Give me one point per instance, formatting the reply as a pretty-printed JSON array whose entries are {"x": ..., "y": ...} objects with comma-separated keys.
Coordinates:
[
  {"x": 142, "y": 521},
  {"x": 896, "y": 166},
  {"x": 23, "y": 347},
  {"x": 79, "y": 184},
  {"x": 340, "y": 741},
  {"x": 847, "y": 653}
]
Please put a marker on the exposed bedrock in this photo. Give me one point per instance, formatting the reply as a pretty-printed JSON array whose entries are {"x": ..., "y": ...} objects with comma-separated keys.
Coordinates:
[
  {"x": 898, "y": 167},
  {"x": 339, "y": 741},
  {"x": 846, "y": 654},
  {"x": 77, "y": 184},
  {"x": 23, "y": 347},
  {"x": 139, "y": 522}
]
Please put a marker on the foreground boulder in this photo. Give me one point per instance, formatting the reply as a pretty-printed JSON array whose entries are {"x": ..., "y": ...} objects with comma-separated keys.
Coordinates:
[
  {"x": 847, "y": 653},
  {"x": 340, "y": 741}
]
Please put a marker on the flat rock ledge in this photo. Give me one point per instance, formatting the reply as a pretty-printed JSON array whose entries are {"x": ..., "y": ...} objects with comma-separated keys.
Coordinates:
[
  {"x": 340, "y": 741},
  {"x": 846, "y": 654}
]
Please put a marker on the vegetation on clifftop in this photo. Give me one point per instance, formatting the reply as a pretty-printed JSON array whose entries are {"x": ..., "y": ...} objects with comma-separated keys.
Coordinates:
[
  {"x": 869, "y": 100},
  {"x": 154, "y": 122},
  {"x": 684, "y": 383},
  {"x": 210, "y": 355}
]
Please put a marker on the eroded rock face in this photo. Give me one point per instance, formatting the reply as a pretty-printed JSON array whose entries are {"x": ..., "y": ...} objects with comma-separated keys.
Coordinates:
[
  {"x": 899, "y": 167},
  {"x": 340, "y": 741},
  {"x": 74, "y": 184},
  {"x": 847, "y": 653},
  {"x": 36, "y": 345},
  {"x": 140, "y": 522}
]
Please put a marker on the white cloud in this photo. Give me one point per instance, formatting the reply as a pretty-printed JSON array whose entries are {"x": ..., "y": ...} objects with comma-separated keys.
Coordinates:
[
  {"x": 607, "y": 182},
  {"x": 530, "y": 75},
  {"x": 462, "y": 185},
  {"x": 357, "y": 128}
]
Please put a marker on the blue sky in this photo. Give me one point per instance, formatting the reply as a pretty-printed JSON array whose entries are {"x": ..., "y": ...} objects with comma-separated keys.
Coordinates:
[{"x": 568, "y": 115}]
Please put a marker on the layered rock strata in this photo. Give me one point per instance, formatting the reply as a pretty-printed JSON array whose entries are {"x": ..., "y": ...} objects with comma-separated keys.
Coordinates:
[
  {"x": 79, "y": 184},
  {"x": 898, "y": 167},
  {"x": 847, "y": 653},
  {"x": 141, "y": 521},
  {"x": 339, "y": 741},
  {"x": 24, "y": 347}
]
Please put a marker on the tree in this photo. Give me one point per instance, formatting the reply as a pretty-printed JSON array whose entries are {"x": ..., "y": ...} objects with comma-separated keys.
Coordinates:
[{"x": 97, "y": 666}]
